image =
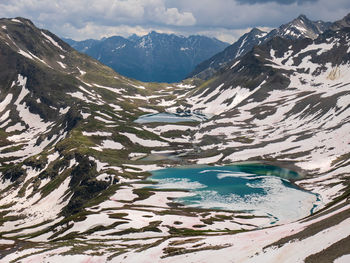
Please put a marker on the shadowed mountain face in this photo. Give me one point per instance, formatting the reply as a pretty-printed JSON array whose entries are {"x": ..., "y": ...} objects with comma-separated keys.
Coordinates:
[
  {"x": 300, "y": 27},
  {"x": 73, "y": 177},
  {"x": 155, "y": 57},
  {"x": 345, "y": 22}
]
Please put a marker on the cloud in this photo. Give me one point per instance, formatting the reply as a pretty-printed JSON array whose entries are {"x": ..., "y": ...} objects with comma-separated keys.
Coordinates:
[
  {"x": 169, "y": 16},
  {"x": 228, "y": 35},
  {"x": 224, "y": 19},
  {"x": 282, "y": 2},
  {"x": 250, "y": 13},
  {"x": 91, "y": 30},
  {"x": 103, "y": 12}
]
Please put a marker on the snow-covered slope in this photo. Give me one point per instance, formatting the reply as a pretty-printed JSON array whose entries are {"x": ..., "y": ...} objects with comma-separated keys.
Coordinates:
[
  {"x": 301, "y": 27},
  {"x": 295, "y": 109},
  {"x": 63, "y": 132},
  {"x": 72, "y": 175},
  {"x": 243, "y": 45}
]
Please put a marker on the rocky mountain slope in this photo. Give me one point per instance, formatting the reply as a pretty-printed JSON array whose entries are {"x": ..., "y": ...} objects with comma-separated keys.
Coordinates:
[
  {"x": 345, "y": 22},
  {"x": 154, "y": 57},
  {"x": 244, "y": 44},
  {"x": 301, "y": 27},
  {"x": 73, "y": 180}
]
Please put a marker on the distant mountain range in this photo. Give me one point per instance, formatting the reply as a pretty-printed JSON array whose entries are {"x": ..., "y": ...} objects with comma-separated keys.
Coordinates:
[
  {"x": 301, "y": 27},
  {"x": 152, "y": 58},
  {"x": 170, "y": 58}
]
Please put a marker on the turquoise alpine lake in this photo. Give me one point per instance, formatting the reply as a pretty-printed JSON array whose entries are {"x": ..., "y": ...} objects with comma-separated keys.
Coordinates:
[
  {"x": 259, "y": 189},
  {"x": 170, "y": 117}
]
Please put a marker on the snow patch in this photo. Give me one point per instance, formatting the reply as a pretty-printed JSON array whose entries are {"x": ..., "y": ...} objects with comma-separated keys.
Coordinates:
[
  {"x": 103, "y": 120},
  {"x": 148, "y": 110},
  {"x": 208, "y": 160},
  {"x": 146, "y": 143},
  {"x": 5, "y": 102},
  {"x": 62, "y": 64},
  {"x": 17, "y": 127},
  {"x": 53, "y": 42},
  {"x": 64, "y": 110},
  {"x": 109, "y": 144},
  {"x": 25, "y": 54},
  {"x": 81, "y": 71},
  {"x": 16, "y": 20}
]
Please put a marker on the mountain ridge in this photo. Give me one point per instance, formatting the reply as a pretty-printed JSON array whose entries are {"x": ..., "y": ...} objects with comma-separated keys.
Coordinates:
[
  {"x": 152, "y": 57},
  {"x": 299, "y": 27}
]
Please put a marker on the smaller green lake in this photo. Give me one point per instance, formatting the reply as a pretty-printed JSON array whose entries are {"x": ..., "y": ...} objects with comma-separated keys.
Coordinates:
[
  {"x": 170, "y": 117},
  {"x": 260, "y": 189}
]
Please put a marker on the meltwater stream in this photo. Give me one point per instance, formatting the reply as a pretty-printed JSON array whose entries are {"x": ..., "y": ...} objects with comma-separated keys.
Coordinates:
[{"x": 263, "y": 190}]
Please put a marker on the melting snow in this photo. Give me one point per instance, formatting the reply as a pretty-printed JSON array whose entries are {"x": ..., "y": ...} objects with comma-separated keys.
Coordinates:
[
  {"x": 343, "y": 259},
  {"x": 235, "y": 64},
  {"x": 147, "y": 143},
  {"x": 296, "y": 251},
  {"x": 103, "y": 120},
  {"x": 148, "y": 110},
  {"x": 109, "y": 144},
  {"x": 81, "y": 71},
  {"x": 16, "y": 20},
  {"x": 53, "y": 42},
  {"x": 17, "y": 127},
  {"x": 116, "y": 107},
  {"x": 216, "y": 104},
  {"x": 124, "y": 195},
  {"x": 5, "y": 116},
  {"x": 25, "y": 54},
  {"x": 115, "y": 90},
  {"x": 64, "y": 110},
  {"x": 62, "y": 65},
  {"x": 5, "y": 102},
  {"x": 208, "y": 160},
  {"x": 6, "y": 242}
]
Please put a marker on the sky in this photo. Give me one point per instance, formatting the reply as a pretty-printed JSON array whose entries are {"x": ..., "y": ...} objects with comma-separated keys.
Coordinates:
[{"x": 226, "y": 20}]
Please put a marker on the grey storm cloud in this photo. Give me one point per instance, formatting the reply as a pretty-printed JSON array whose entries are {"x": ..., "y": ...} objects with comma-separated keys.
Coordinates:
[{"x": 282, "y": 2}]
